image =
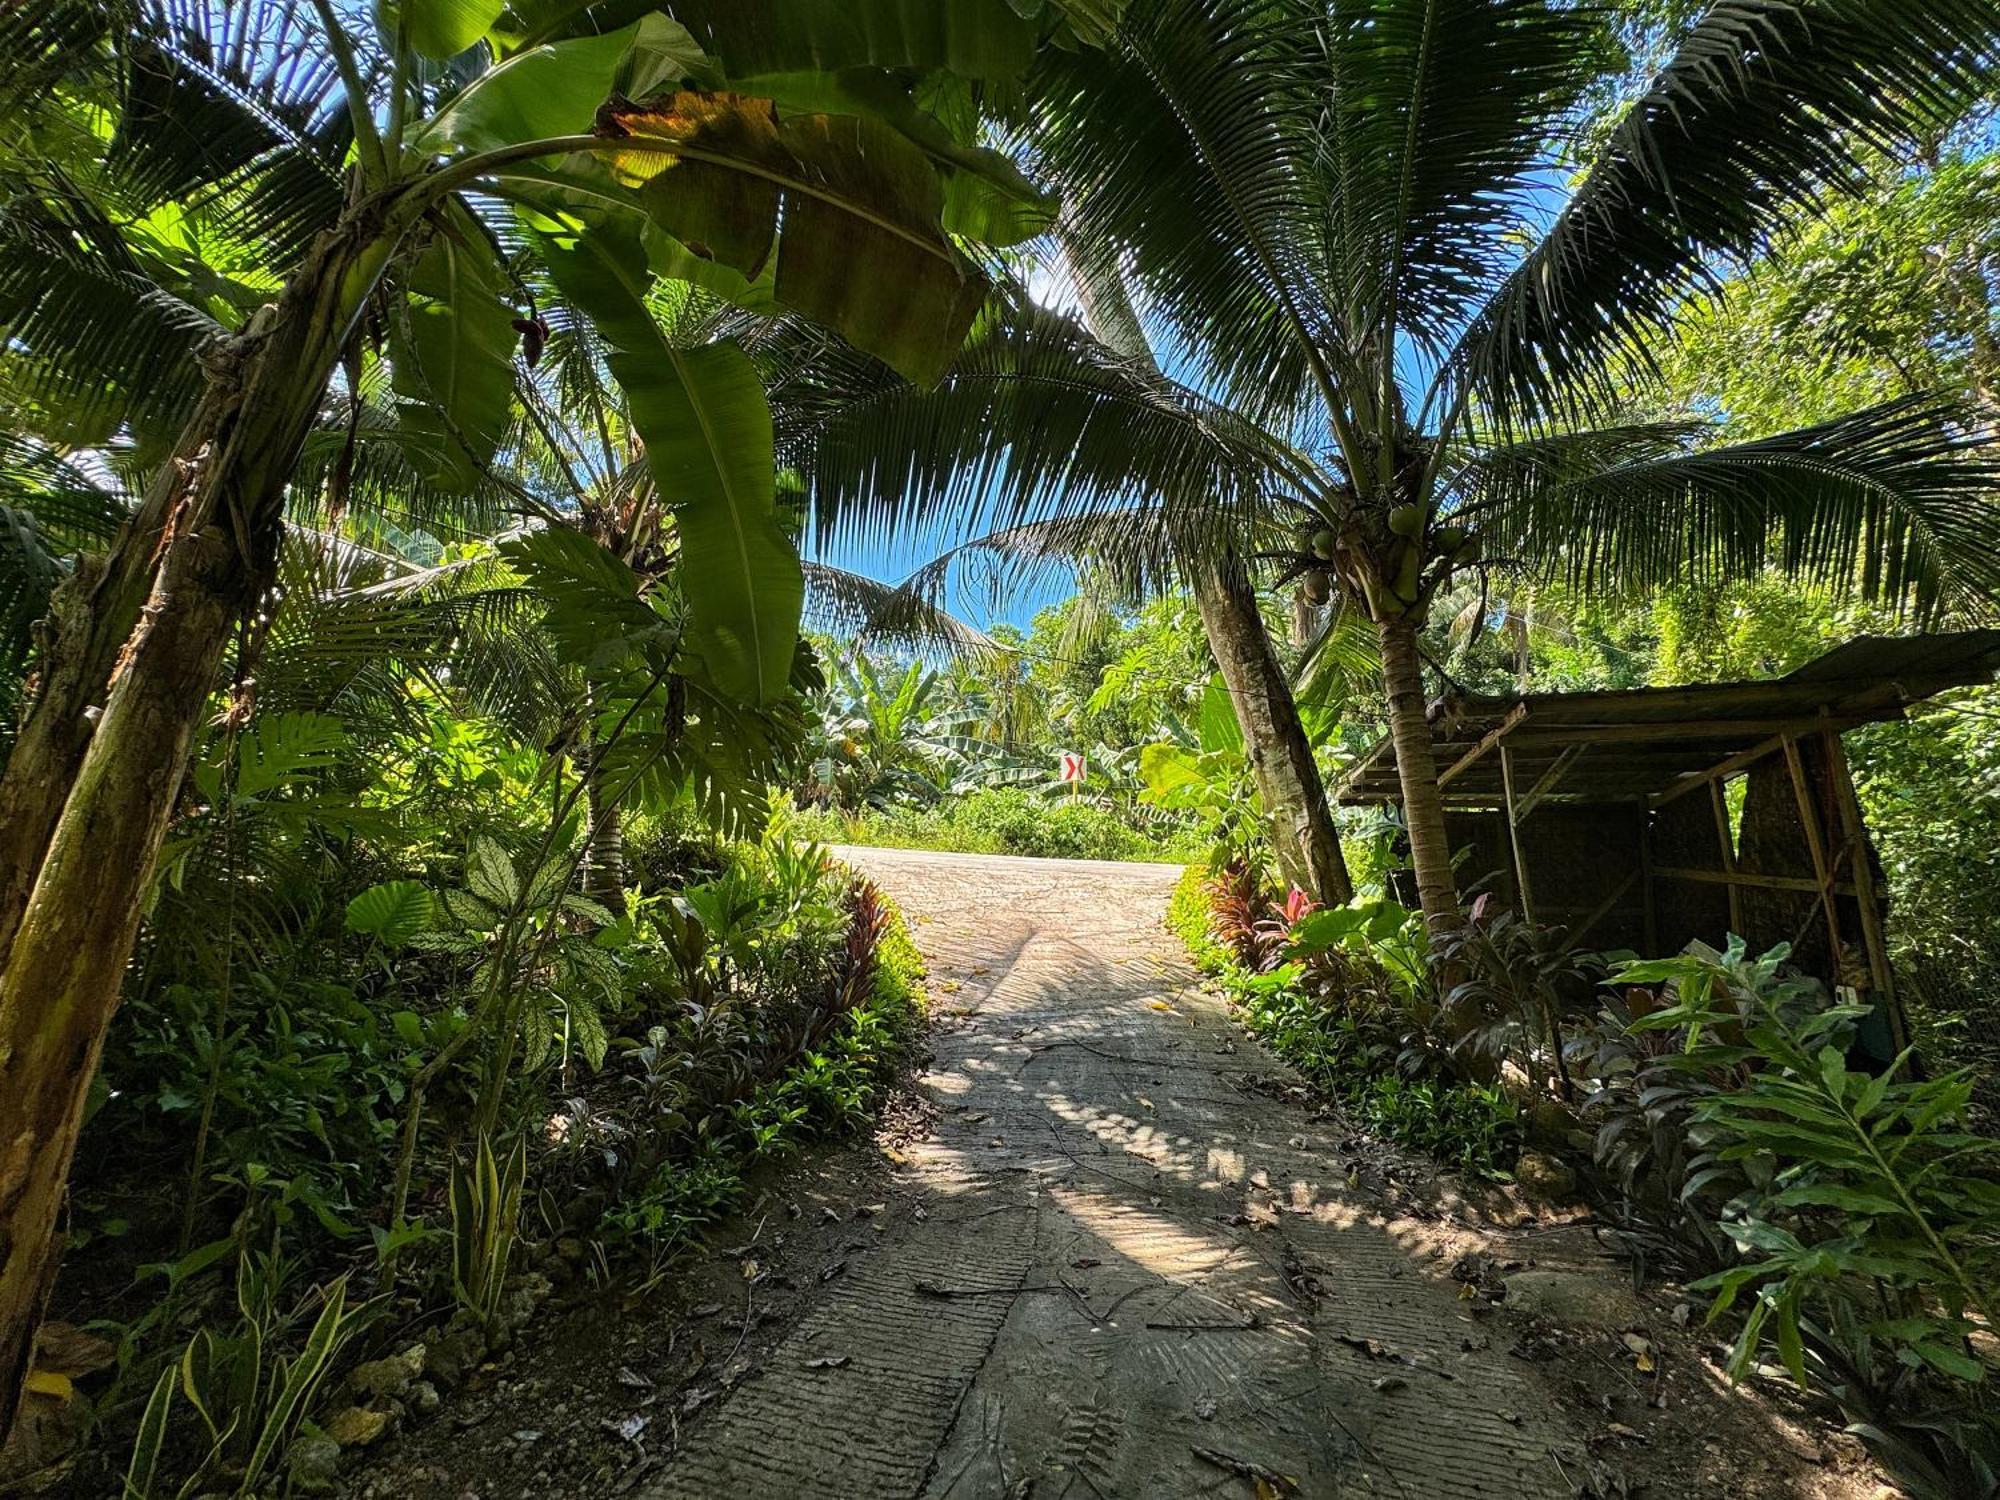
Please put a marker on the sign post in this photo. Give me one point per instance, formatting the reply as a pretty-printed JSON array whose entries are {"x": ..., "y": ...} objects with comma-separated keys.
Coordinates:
[{"x": 1071, "y": 768}]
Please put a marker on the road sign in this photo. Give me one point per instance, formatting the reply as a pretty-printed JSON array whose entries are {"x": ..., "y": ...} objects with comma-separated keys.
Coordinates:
[{"x": 1072, "y": 766}]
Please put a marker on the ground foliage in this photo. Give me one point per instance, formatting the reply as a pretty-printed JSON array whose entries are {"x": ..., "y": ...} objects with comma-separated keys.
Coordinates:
[{"x": 1844, "y": 1220}]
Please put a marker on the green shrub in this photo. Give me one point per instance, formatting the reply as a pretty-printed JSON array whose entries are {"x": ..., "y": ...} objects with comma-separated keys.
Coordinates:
[
  {"x": 1351, "y": 1053},
  {"x": 1865, "y": 1217},
  {"x": 1188, "y": 919},
  {"x": 825, "y": 1089},
  {"x": 996, "y": 820},
  {"x": 1472, "y": 1127}
]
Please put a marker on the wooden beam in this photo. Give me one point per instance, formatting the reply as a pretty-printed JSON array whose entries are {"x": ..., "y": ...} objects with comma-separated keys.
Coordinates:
[
  {"x": 1695, "y": 781},
  {"x": 1866, "y": 896},
  {"x": 1728, "y": 843},
  {"x": 1487, "y": 741},
  {"x": 1360, "y": 769},
  {"x": 1809, "y": 820},
  {"x": 1547, "y": 781},
  {"x": 1521, "y": 884},
  {"x": 1748, "y": 880},
  {"x": 1546, "y": 735}
]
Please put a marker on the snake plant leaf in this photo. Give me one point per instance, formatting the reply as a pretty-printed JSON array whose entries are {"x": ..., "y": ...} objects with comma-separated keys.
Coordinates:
[
  {"x": 452, "y": 346},
  {"x": 863, "y": 252},
  {"x": 707, "y": 430}
]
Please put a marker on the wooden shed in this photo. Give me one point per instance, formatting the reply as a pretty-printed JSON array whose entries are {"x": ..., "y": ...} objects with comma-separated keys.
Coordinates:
[{"x": 1614, "y": 814}]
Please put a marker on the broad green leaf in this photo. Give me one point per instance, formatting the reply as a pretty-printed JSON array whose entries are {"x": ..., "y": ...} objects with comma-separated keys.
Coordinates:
[
  {"x": 1220, "y": 728},
  {"x": 586, "y": 1031},
  {"x": 438, "y": 28},
  {"x": 709, "y": 445},
  {"x": 490, "y": 873},
  {"x": 557, "y": 89},
  {"x": 1833, "y": 1195},
  {"x": 1171, "y": 775},
  {"x": 452, "y": 343},
  {"x": 980, "y": 39},
  {"x": 469, "y": 911},
  {"x": 863, "y": 249},
  {"x": 1952, "y": 1361},
  {"x": 274, "y": 753},
  {"x": 392, "y": 913},
  {"x": 986, "y": 197}
]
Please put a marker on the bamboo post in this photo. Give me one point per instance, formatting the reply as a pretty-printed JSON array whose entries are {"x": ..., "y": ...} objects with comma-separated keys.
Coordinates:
[
  {"x": 1728, "y": 846},
  {"x": 1521, "y": 883}
]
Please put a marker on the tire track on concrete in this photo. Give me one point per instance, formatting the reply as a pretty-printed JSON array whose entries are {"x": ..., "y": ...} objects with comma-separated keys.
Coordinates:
[{"x": 1146, "y": 1272}]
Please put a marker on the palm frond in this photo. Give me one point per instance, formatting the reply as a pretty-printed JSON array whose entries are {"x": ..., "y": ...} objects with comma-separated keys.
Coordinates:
[
  {"x": 1035, "y": 419},
  {"x": 51, "y": 41},
  {"x": 1768, "y": 106},
  {"x": 1188, "y": 145},
  {"x": 869, "y": 611},
  {"x": 1506, "y": 471},
  {"x": 1438, "y": 113},
  {"x": 236, "y": 106},
  {"x": 1897, "y": 502},
  {"x": 50, "y": 510},
  {"x": 1127, "y": 551},
  {"x": 93, "y": 335}
]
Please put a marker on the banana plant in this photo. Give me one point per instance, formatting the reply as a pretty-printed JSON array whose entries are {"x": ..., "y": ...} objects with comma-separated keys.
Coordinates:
[{"x": 313, "y": 196}]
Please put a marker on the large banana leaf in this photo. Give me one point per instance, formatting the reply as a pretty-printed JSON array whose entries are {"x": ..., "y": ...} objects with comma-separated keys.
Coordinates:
[
  {"x": 556, "y": 90},
  {"x": 982, "y": 39},
  {"x": 863, "y": 250},
  {"x": 707, "y": 430},
  {"x": 438, "y": 28}
]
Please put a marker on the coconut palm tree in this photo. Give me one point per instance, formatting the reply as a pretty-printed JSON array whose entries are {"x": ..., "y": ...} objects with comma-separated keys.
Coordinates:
[{"x": 1354, "y": 225}]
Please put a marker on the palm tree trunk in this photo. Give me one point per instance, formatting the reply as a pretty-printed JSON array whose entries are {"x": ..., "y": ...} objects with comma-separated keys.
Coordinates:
[
  {"x": 604, "y": 839},
  {"x": 1281, "y": 757},
  {"x": 95, "y": 788},
  {"x": 1416, "y": 767}
]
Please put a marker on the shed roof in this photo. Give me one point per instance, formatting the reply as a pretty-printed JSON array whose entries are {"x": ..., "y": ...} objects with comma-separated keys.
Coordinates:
[{"x": 1644, "y": 743}]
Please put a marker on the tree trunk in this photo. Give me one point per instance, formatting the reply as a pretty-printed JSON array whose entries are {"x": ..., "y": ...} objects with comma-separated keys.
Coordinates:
[
  {"x": 604, "y": 841},
  {"x": 1281, "y": 757},
  {"x": 87, "y": 804},
  {"x": 1416, "y": 767}
]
